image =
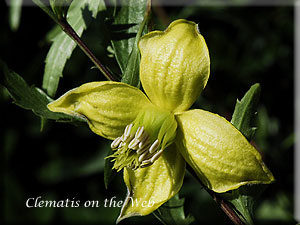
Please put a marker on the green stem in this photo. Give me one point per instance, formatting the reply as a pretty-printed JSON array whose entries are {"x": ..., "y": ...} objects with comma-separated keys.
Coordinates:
[
  {"x": 224, "y": 205},
  {"x": 67, "y": 28}
]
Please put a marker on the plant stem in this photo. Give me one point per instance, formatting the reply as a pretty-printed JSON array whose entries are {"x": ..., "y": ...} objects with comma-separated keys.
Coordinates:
[
  {"x": 224, "y": 205},
  {"x": 67, "y": 28}
]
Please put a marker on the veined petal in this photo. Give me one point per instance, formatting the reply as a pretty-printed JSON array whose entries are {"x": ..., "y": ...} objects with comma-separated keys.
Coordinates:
[
  {"x": 220, "y": 155},
  {"x": 108, "y": 106},
  {"x": 174, "y": 65},
  {"x": 150, "y": 187}
]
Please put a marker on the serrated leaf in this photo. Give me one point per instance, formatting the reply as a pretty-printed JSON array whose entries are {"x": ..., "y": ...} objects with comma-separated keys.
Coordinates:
[
  {"x": 172, "y": 212},
  {"x": 245, "y": 111},
  {"x": 30, "y": 98},
  {"x": 244, "y": 197},
  {"x": 125, "y": 28},
  {"x": 79, "y": 17}
]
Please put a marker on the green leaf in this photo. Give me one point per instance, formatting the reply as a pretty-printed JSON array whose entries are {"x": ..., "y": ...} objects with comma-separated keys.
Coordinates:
[
  {"x": 30, "y": 98},
  {"x": 79, "y": 17},
  {"x": 125, "y": 28},
  {"x": 172, "y": 213},
  {"x": 243, "y": 200},
  {"x": 15, "y": 10},
  {"x": 131, "y": 74},
  {"x": 245, "y": 111},
  {"x": 60, "y": 7},
  {"x": 244, "y": 197}
]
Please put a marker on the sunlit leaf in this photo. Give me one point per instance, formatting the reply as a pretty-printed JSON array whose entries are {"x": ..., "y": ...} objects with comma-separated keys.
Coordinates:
[
  {"x": 79, "y": 17},
  {"x": 245, "y": 111}
]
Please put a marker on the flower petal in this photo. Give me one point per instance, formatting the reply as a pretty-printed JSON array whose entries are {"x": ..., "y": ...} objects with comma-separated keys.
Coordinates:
[
  {"x": 108, "y": 106},
  {"x": 174, "y": 65},
  {"x": 220, "y": 155},
  {"x": 153, "y": 185}
]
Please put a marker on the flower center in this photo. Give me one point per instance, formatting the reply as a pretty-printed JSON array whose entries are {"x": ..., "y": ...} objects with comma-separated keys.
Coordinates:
[{"x": 144, "y": 140}]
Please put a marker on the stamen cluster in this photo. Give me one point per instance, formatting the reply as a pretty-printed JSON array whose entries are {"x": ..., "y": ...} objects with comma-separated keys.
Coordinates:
[{"x": 140, "y": 150}]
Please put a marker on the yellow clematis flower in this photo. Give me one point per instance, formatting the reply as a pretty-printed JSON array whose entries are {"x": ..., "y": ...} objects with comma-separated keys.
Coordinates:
[{"x": 154, "y": 135}]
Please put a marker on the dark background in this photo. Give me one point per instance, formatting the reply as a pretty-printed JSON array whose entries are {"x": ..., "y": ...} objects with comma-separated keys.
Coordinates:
[{"x": 247, "y": 45}]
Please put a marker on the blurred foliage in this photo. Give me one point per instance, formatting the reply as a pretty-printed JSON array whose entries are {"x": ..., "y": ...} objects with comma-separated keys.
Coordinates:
[{"x": 247, "y": 45}]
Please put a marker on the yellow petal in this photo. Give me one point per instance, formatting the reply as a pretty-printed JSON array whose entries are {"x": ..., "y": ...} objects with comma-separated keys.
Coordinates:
[
  {"x": 174, "y": 65},
  {"x": 108, "y": 106},
  {"x": 150, "y": 187},
  {"x": 220, "y": 155}
]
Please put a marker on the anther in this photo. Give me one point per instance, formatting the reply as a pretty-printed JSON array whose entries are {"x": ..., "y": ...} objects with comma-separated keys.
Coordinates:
[
  {"x": 154, "y": 146},
  {"x": 142, "y": 150},
  {"x": 144, "y": 142},
  {"x": 115, "y": 143},
  {"x": 127, "y": 130},
  {"x": 143, "y": 156},
  {"x": 146, "y": 163},
  {"x": 139, "y": 132},
  {"x": 134, "y": 143},
  {"x": 156, "y": 155},
  {"x": 127, "y": 139}
]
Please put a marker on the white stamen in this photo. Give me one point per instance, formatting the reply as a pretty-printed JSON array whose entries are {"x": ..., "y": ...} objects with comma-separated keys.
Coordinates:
[
  {"x": 143, "y": 156},
  {"x": 127, "y": 139},
  {"x": 122, "y": 138},
  {"x": 142, "y": 150},
  {"x": 134, "y": 143},
  {"x": 121, "y": 144},
  {"x": 144, "y": 142},
  {"x": 154, "y": 146},
  {"x": 115, "y": 143},
  {"x": 146, "y": 163},
  {"x": 127, "y": 130},
  {"x": 144, "y": 166},
  {"x": 139, "y": 132},
  {"x": 143, "y": 137},
  {"x": 156, "y": 155}
]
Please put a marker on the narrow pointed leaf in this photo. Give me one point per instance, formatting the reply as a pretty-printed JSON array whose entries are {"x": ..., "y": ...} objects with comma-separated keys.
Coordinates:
[
  {"x": 125, "y": 28},
  {"x": 27, "y": 97},
  {"x": 131, "y": 74},
  {"x": 79, "y": 17},
  {"x": 245, "y": 111}
]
